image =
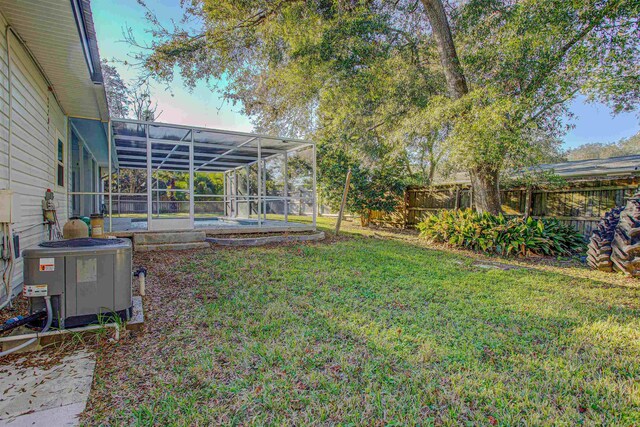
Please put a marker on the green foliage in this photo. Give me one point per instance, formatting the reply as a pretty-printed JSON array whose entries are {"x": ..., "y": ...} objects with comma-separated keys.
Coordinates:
[
  {"x": 526, "y": 60},
  {"x": 329, "y": 70},
  {"x": 367, "y": 74},
  {"x": 363, "y": 331},
  {"x": 116, "y": 90},
  {"x": 135, "y": 181},
  {"x": 203, "y": 183},
  {"x": 534, "y": 178},
  {"x": 133, "y": 100},
  {"x": 497, "y": 234},
  {"x": 208, "y": 183},
  {"x": 371, "y": 188},
  {"x": 595, "y": 150}
]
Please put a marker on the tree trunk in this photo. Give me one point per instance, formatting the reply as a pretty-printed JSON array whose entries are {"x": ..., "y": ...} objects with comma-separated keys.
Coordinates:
[
  {"x": 486, "y": 190},
  {"x": 484, "y": 180},
  {"x": 527, "y": 202},
  {"x": 365, "y": 218},
  {"x": 456, "y": 81}
]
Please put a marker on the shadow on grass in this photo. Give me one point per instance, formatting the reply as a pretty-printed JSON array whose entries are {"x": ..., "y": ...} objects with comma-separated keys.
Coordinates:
[{"x": 362, "y": 329}]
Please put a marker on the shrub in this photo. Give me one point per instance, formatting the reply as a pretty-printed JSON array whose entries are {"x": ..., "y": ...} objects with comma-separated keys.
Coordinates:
[
  {"x": 504, "y": 236},
  {"x": 372, "y": 188}
]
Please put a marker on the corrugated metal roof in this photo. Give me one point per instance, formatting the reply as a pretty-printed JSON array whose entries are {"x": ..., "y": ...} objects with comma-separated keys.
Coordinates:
[
  {"x": 596, "y": 168},
  {"x": 49, "y": 30}
]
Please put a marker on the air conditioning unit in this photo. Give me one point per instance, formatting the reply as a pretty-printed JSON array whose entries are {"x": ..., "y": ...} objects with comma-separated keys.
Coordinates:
[{"x": 88, "y": 280}]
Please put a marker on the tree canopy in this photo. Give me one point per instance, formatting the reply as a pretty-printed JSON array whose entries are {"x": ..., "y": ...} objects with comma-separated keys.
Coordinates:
[
  {"x": 365, "y": 77},
  {"x": 128, "y": 101},
  {"x": 599, "y": 150}
]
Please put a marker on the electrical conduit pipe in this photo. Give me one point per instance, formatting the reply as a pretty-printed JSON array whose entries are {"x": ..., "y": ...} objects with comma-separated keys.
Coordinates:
[
  {"x": 9, "y": 258},
  {"x": 47, "y": 300}
]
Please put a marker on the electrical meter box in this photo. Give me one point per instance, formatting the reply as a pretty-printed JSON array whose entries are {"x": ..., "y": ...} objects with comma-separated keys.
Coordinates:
[{"x": 8, "y": 206}]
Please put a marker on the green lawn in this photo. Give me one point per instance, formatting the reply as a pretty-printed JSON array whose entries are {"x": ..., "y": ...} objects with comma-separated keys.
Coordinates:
[{"x": 372, "y": 329}]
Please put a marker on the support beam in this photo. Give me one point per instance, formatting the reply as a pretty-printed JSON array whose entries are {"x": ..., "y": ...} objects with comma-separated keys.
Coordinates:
[
  {"x": 82, "y": 186},
  {"x": 128, "y": 164},
  {"x": 247, "y": 169},
  {"x": 224, "y": 194},
  {"x": 199, "y": 156},
  {"x": 245, "y": 148},
  {"x": 175, "y": 147},
  {"x": 149, "y": 183},
  {"x": 259, "y": 183},
  {"x": 286, "y": 187},
  {"x": 315, "y": 192},
  {"x": 118, "y": 188},
  {"x": 192, "y": 208},
  {"x": 130, "y": 138},
  {"x": 110, "y": 175},
  {"x": 235, "y": 194},
  {"x": 264, "y": 185},
  {"x": 163, "y": 160},
  {"x": 228, "y": 152},
  {"x": 279, "y": 152}
]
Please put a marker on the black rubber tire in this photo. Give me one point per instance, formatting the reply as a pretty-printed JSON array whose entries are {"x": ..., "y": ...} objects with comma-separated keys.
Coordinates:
[
  {"x": 625, "y": 253},
  {"x": 599, "y": 249}
]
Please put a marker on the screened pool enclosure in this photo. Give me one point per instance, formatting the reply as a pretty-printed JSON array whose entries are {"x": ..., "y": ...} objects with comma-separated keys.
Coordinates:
[{"x": 173, "y": 177}]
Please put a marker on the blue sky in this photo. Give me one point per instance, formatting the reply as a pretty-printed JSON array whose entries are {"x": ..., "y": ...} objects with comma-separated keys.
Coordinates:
[
  {"x": 199, "y": 107},
  {"x": 204, "y": 107}
]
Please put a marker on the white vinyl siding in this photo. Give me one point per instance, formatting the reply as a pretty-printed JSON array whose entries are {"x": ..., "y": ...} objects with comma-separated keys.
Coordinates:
[{"x": 37, "y": 122}]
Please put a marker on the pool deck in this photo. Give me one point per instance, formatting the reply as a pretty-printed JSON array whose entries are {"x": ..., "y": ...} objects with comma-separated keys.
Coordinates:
[{"x": 222, "y": 226}]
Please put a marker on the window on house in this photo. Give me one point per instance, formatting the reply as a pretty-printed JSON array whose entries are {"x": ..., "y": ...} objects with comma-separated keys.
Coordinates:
[{"x": 60, "y": 164}]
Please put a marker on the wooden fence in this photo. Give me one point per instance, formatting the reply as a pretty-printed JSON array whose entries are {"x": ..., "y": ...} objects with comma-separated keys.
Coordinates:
[{"x": 579, "y": 203}]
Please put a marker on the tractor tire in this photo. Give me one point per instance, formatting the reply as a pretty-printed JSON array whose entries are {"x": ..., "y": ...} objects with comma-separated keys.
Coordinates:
[
  {"x": 625, "y": 253},
  {"x": 599, "y": 249}
]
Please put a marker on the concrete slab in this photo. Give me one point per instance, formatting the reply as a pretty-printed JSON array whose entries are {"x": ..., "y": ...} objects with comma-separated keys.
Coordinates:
[
  {"x": 21, "y": 330},
  {"x": 136, "y": 323},
  {"x": 259, "y": 241},
  {"x": 172, "y": 246},
  {"x": 62, "y": 416},
  {"x": 221, "y": 226},
  {"x": 168, "y": 237},
  {"x": 48, "y": 395}
]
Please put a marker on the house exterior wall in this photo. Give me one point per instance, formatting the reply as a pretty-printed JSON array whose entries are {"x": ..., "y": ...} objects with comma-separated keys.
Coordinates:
[{"x": 37, "y": 121}]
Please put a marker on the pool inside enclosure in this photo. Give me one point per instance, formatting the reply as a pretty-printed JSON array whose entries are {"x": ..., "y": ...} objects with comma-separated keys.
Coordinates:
[{"x": 173, "y": 177}]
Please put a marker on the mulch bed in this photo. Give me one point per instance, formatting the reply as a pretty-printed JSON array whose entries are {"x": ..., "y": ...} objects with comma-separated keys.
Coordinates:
[
  {"x": 126, "y": 370},
  {"x": 20, "y": 308}
]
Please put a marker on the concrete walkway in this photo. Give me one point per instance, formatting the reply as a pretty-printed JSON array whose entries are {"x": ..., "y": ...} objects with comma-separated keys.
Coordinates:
[{"x": 49, "y": 397}]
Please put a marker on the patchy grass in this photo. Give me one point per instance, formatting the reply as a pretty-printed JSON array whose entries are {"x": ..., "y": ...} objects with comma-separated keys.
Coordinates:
[{"x": 372, "y": 328}]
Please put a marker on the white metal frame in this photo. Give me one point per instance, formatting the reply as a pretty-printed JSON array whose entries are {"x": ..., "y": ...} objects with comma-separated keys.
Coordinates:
[{"x": 230, "y": 162}]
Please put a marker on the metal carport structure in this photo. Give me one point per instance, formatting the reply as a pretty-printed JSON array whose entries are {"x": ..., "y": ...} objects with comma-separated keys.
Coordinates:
[{"x": 241, "y": 157}]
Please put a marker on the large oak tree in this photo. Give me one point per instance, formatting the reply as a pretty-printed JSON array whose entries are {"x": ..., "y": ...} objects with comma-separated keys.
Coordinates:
[{"x": 488, "y": 80}]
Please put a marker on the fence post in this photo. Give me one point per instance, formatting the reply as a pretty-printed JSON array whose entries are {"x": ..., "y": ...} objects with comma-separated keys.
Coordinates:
[
  {"x": 457, "y": 203},
  {"x": 405, "y": 216},
  {"x": 344, "y": 201},
  {"x": 527, "y": 202}
]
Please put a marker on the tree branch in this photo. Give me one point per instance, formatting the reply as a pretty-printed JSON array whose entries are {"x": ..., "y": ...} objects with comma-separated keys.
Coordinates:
[{"x": 539, "y": 79}]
